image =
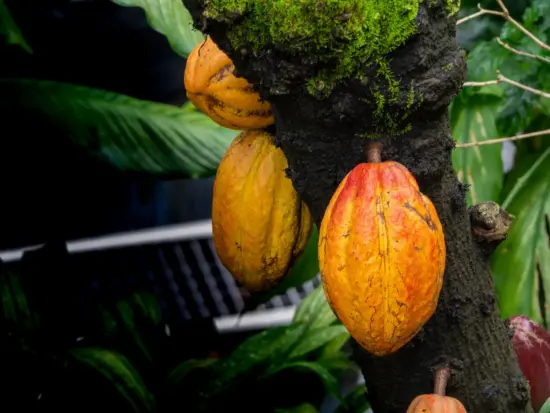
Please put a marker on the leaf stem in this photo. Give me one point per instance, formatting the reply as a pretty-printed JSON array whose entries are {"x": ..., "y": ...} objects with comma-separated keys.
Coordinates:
[{"x": 500, "y": 140}]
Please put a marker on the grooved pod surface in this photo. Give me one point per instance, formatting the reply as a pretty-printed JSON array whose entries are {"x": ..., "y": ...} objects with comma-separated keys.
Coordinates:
[
  {"x": 213, "y": 88},
  {"x": 259, "y": 223},
  {"x": 381, "y": 255},
  {"x": 434, "y": 403}
]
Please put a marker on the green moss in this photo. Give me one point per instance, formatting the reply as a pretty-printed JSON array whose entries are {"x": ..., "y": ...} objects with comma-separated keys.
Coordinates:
[
  {"x": 341, "y": 36},
  {"x": 448, "y": 67}
]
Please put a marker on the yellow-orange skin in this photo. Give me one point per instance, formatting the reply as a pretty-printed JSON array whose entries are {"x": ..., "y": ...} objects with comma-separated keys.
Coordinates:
[
  {"x": 434, "y": 403},
  {"x": 382, "y": 256},
  {"x": 259, "y": 223},
  {"x": 228, "y": 100}
]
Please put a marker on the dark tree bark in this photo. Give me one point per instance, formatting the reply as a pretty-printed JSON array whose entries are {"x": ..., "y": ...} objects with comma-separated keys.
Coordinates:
[{"x": 320, "y": 138}]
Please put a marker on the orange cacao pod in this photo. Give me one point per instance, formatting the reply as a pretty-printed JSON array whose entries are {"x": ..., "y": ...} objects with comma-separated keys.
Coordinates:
[
  {"x": 228, "y": 100},
  {"x": 260, "y": 225},
  {"x": 381, "y": 255},
  {"x": 434, "y": 403}
]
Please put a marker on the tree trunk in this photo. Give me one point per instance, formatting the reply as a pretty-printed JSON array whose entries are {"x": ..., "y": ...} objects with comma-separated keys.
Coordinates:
[{"x": 323, "y": 140}]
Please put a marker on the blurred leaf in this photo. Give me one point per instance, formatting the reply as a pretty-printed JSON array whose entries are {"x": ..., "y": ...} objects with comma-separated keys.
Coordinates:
[
  {"x": 17, "y": 316},
  {"x": 303, "y": 408},
  {"x": 314, "y": 310},
  {"x": 355, "y": 402},
  {"x": 132, "y": 135},
  {"x": 266, "y": 349},
  {"x": 118, "y": 370},
  {"x": 183, "y": 370},
  {"x": 148, "y": 305},
  {"x": 334, "y": 347},
  {"x": 522, "y": 262},
  {"x": 9, "y": 29},
  {"x": 329, "y": 381},
  {"x": 334, "y": 363},
  {"x": 316, "y": 338},
  {"x": 545, "y": 407},
  {"x": 479, "y": 166},
  {"x": 172, "y": 19},
  {"x": 304, "y": 269}
]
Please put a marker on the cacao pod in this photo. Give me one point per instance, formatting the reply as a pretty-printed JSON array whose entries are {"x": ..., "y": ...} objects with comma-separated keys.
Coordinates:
[
  {"x": 228, "y": 100},
  {"x": 434, "y": 403},
  {"x": 381, "y": 255},
  {"x": 532, "y": 346},
  {"x": 260, "y": 225}
]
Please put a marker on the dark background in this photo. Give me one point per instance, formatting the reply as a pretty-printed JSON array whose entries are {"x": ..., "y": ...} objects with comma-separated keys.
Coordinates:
[{"x": 50, "y": 189}]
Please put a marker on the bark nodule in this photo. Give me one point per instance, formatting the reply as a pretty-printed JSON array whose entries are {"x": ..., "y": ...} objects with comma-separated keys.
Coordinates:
[
  {"x": 323, "y": 139},
  {"x": 490, "y": 225}
]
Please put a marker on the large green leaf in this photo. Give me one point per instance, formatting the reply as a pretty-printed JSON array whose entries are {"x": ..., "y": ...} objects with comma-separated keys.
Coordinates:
[
  {"x": 177, "y": 377},
  {"x": 132, "y": 135},
  {"x": 314, "y": 310},
  {"x": 170, "y": 18},
  {"x": 329, "y": 380},
  {"x": 355, "y": 401},
  {"x": 118, "y": 370},
  {"x": 304, "y": 269},
  {"x": 317, "y": 338},
  {"x": 479, "y": 166},
  {"x": 302, "y": 408},
  {"x": 522, "y": 262},
  {"x": 9, "y": 29},
  {"x": 545, "y": 407}
]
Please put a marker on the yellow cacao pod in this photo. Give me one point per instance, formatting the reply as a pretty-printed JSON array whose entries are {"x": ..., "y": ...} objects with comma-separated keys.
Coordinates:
[
  {"x": 434, "y": 403},
  {"x": 260, "y": 225},
  {"x": 381, "y": 255},
  {"x": 228, "y": 100}
]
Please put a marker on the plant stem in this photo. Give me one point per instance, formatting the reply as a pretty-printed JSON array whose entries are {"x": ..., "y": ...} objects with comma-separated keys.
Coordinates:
[
  {"x": 374, "y": 152},
  {"x": 441, "y": 378}
]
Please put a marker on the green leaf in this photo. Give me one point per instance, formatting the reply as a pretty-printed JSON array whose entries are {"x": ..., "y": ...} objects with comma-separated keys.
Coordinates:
[
  {"x": 522, "y": 262},
  {"x": 17, "y": 315},
  {"x": 119, "y": 371},
  {"x": 316, "y": 338},
  {"x": 184, "y": 369},
  {"x": 355, "y": 401},
  {"x": 132, "y": 135},
  {"x": 479, "y": 166},
  {"x": 302, "y": 408},
  {"x": 335, "y": 363},
  {"x": 267, "y": 349},
  {"x": 334, "y": 347},
  {"x": 329, "y": 381},
  {"x": 304, "y": 269},
  {"x": 148, "y": 305},
  {"x": 545, "y": 407},
  {"x": 10, "y": 30},
  {"x": 314, "y": 310},
  {"x": 172, "y": 19}
]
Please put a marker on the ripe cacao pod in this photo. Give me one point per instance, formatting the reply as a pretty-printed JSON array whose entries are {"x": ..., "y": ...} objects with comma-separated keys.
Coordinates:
[
  {"x": 532, "y": 346},
  {"x": 434, "y": 403},
  {"x": 260, "y": 225},
  {"x": 228, "y": 100},
  {"x": 381, "y": 255}
]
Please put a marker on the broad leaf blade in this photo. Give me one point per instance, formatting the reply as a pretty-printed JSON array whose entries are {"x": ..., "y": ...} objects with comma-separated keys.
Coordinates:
[
  {"x": 302, "y": 408},
  {"x": 314, "y": 310},
  {"x": 132, "y": 135},
  {"x": 10, "y": 30},
  {"x": 355, "y": 402},
  {"x": 523, "y": 260},
  {"x": 479, "y": 166},
  {"x": 183, "y": 370},
  {"x": 172, "y": 19},
  {"x": 329, "y": 381},
  {"x": 118, "y": 370},
  {"x": 316, "y": 338},
  {"x": 545, "y": 407}
]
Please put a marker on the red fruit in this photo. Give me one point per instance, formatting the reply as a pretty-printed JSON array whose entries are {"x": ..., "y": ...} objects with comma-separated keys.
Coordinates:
[{"x": 532, "y": 345}]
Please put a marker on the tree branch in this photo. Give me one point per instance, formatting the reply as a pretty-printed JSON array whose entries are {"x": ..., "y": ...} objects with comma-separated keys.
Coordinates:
[
  {"x": 503, "y": 79},
  {"x": 505, "y": 15},
  {"x": 521, "y": 53},
  {"x": 500, "y": 140}
]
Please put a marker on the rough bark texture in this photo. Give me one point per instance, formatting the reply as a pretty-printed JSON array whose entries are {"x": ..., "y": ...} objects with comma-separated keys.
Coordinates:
[{"x": 321, "y": 141}]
